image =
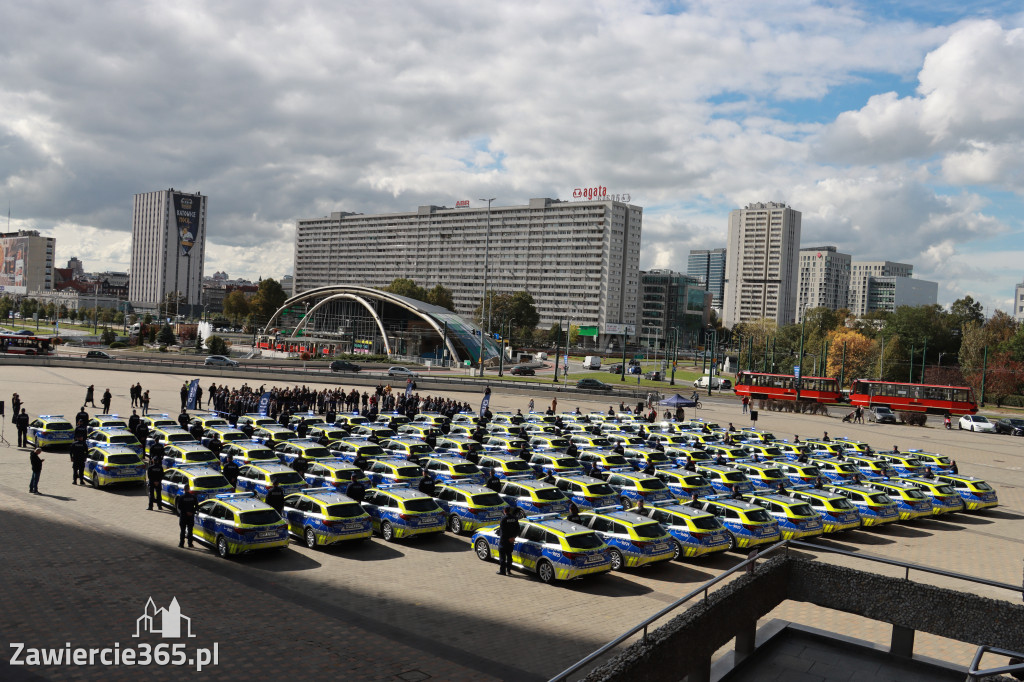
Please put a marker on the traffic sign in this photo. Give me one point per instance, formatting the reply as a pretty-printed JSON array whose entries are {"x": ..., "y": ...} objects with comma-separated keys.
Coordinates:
[{"x": 796, "y": 371}]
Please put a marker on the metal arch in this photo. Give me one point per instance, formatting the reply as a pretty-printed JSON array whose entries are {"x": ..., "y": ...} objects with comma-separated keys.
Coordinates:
[
  {"x": 332, "y": 292},
  {"x": 361, "y": 301}
]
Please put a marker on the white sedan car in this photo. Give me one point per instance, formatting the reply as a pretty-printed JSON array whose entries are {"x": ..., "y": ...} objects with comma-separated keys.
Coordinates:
[
  {"x": 403, "y": 372},
  {"x": 973, "y": 422}
]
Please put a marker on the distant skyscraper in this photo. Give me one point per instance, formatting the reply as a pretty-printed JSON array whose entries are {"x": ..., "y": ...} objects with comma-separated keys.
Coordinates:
[
  {"x": 860, "y": 274},
  {"x": 761, "y": 264},
  {"x": 708, "y": 265},
  {"x": 168, "y": 247},
  {"x": 26, "y": 262},
  {"x": 824, "y": 279}
]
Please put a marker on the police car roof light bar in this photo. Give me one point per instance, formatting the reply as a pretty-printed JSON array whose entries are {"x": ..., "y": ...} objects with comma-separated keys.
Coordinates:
[{"x": 234, "y": 496}]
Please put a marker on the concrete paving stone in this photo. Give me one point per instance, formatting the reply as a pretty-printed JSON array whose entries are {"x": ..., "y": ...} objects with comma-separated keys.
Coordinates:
[{"x": 836, "y": 670}]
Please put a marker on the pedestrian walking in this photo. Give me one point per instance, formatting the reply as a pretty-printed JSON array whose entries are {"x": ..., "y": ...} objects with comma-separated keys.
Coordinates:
[
  {"x": 78, "y": 452},
  {"x": 15, "y": 408},
  {"x": 530, "y": 410},
  {"x": 37, "y": 469},
  {"x": 186, "y": 508},
  {"x": 746, "y": 404},
  {"x": 21, "y": 422},
  {"x": 508, "y": 531},
  {"x": 90, "y": 396},
  {"x": 154, "y": 477},
  {"x": 145, "y": 403},
  {"x": 105, "y": 401}
]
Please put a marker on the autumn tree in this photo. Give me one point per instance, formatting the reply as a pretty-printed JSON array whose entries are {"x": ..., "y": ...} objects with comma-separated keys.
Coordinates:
[{"x": 860, "y": 351}]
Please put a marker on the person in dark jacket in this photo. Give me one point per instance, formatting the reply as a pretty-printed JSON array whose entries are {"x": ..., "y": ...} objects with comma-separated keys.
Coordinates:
[
  {"x": 183, "y": 419},
  {"x": 356, "y": 490},
  {"x": 359, "y": 462},
  {"x": 493, "y": 482},
  {"x": 574, "y": 514},
  {"x": 275, "y": 498},
  {"x": 21, "y": 422},
  {"x": 105, "y": 401},
  {"x": 156, "y": 451},
  {"x": 82, "y": 417},
  {"x": 230, "y": 470},
  {"x": 133, "y": 423},
  {"x": 78, "y": 452},
  {"x": 15, "y": 407},
  {"x": 90, "y": 396},
  {"x": 508, "y": 531},
  {"x": 37, "y": 469},
  {"x": 426, "y": 484},
  {"x": 186, "y": 505},
  {"x": 154, "y": 477},
  {"x": 649, "y": 469},
  {"x": 302, "y": 429},
  {"x": 301, "y": 465}
]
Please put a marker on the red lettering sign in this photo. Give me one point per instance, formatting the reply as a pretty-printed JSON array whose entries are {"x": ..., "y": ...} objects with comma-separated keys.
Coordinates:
[{"x": 464, "y": 203}]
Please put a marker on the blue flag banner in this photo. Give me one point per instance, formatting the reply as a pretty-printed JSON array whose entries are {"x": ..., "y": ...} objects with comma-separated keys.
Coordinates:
[
  {"x": 484, "y": 403},
  {"x": 192, "y": 388},
  {"x": 264, "y": 404}
]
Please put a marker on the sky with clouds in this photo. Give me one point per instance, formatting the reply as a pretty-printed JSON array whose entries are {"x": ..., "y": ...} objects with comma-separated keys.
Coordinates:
[{"x": 895, "y": 127}]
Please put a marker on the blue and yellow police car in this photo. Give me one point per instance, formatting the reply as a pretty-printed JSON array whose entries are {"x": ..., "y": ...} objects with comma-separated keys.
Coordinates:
[
  {"x": 377, "y": 432},
  {"x": 905, "y": 464},
  {"x": 513, "y": 445},
  {"x": 113, "y": 435},
  {"x": 836, "y": 471},
  {"x": 911, "y": 503},
  {"x": 548, "y": 443},
  {"x": 872, "y": 467},
  {"x": 764, "y": 475},
  {"x": 556, "y": 464},
  {"x": 631, "y": 487},
  {"x": 469, "y": 506},
  {"x": 235, "y": 523},
  {"x": 587, "y": 492},
  {"x": 725, "y": 479},
  {"x": 159, "y": 421},
  {"x": 459, "y": 446},
  {"x": 392, "y": 471},
  {"x": 875, "y": 507},
  {"x": 796, "y": 518},
  {"x": 552, "y": 548},
  {"x": 325, "y": 517},
  {"x": 400, "y": 512},
  {"x": 943, "y": 496},
  {"x": 167, "y": 435},
  {"x": 201, "y": 480},
  {"x": 837, "y": 512},
  {"x": 184, "y": 454},
  {"x": 694, "y": 532},
  {"x": 976, "y": 493},
  {"x": 800, "y": 473},
  {"x": 505, "y": 466},
  {"x": 289, "y": 451},
  {"x": 113, "y": 464},
  {"x": 684, "y": 484},
  {"x": 335, "y": 474},
  {"x": 258, "y": 479},
  {"x": 533, "y": 497},
  {"x": 49, "y": 430},
  {"x": 248, "y": 452},
  {"x": 633, "y": 540},
  {"x": 249, "y": 422},
  {"x": 939, "y": 464},
  {"x": 410, "y": 449},
  {"x": 106, "y": 421},
  {"x": 453, "y": 470},
  {"x": 640, "y": 456},
  {"x": 216, "y": 437},
  {"x": 349, "y": 448},
  {"x": 325, "y": 433},
  {"x": 603, "y": 460},
  {"x": 272, "y": 434},
  {"x": 749, "y": 524}
]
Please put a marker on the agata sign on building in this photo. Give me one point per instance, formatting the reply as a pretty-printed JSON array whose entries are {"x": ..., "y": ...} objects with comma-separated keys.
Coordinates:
[
  {"x": 462, "y": 203},
  {"x": 599, "y": 193}
]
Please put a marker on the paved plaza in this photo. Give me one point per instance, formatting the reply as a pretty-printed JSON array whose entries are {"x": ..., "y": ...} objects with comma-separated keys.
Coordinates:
[{"x": 80, "y": 565}]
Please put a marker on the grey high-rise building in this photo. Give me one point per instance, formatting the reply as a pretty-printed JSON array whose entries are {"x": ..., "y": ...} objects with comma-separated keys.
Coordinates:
[
  {"x": 824, "y": 279},
  {"x": 672, "y": 301},
  {"x": 761, "y": 264},
  {"x": 708, "y": 266},
  {"x": 168, "y": 247}
]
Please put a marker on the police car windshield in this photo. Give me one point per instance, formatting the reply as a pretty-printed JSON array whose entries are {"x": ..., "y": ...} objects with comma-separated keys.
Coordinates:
[
  {"x": 229, "y": 437},
  {"x": 557, "y": 443},
  {"x": 567, "y": 462},
  {"x": 124, "y": 439},
  {"x": 706, "y": 523},
  {"x": 408, "y": 472},
  {"x": 286, "y": 478},
  {"x": 260, "y": 517},
  {"x": 880, "y": 498},
  {"x": 370, "y": 450},
  {"x": 843, "y": 503},
  {"x": 316, "y": 453},
  {"x": 915, "y": 494},
  {"x": 601, "y": 489},
  {"x": 550, "y": 494},
  {"x": 486, "y": 500},
  {"x": 261, "y": 455},
  {"x": 846, "y": 468},
  {"x": 199, "y": 457},
  {"x": 616, "y": 461},
  {"x": 517, "y": 465},
  {"x": 656, "y": 457},
  {"x": 123, "y": 459},
  {"x": 344, "y": 511},
  {"x": 112, "y": 423},
  {"x": 771, "y": 473},
  {"x": 772, "y": 452},
  {"x": 421, "y": 504},
  {"x": 584, "y": 541},
  {"x": 945, "y": 490},
  {"x": 215, "y": 422},
  {"x": 420, "y": 449},
  {"x": 801, "y": 509},
  {"x": 758, "y": 515},
  {"x": 217, "y": 481},
  {"x": 734, "y": 476},
  {"x": 652, "y": 484},
  {"x": 180, "y": 438},
  {"x": 465, "y": 469},
  {"x": 649, "y": 530},
  {"x": 65, "y": 426},
  {"x": 696, "y": 480}
]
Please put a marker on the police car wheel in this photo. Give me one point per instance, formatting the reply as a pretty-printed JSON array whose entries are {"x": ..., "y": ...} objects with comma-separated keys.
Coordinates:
[
  {"x": 93, "y": 481},
  {"x": 310, "y": 538},
  {"x": 732, "y": 543},
  {"x": 223, "y": 551},
  {"x": 546, "y": 572},
  {"x": 625, "y": 502},
  {"x": 387, "y": 532},
  {"x": 616, "y": 557},
  {"x": 482, "y": 549},
  {"x": 677, "y": 550},
  {"x": 455, "y": 525}
]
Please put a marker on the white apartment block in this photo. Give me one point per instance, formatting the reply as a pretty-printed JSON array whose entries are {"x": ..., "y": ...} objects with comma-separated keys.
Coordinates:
[
  {"x": 578, "y": 259},
  {"x": 860, "y": 274},
  {"x": 761, "y": 264},
  {"x": 824, "y": 279},
  {"x": 168, "y": 247},
  {"x": 889, "y": 293},
  {"x": 1018, "y": 302}
]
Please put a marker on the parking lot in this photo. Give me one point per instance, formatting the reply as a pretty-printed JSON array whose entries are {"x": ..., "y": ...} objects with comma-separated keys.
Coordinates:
[{"x": 81, "y": 563}]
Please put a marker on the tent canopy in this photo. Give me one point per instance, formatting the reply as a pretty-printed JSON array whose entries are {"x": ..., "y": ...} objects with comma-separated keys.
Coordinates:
[{"x": 677, "y": 401}]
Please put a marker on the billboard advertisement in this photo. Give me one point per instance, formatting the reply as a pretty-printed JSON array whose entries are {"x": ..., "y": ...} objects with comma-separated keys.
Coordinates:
[
  {"x": 13, "y": 260},
  {"x": 186, "y": 217}
]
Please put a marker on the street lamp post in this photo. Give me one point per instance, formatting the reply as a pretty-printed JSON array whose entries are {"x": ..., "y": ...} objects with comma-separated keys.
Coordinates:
[
  {"x": 483, "y": 296},
  {"x": 675, "y": 354}
]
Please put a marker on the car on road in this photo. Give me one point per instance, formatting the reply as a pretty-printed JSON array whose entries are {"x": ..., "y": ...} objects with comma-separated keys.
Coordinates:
[
  {"x": 1013, "y": 427},
  {"x": 880, "y": 414},
  {"x": 554, "y": 549},
  {"x": 975, "y": 422},
  {"x": 98, "y": 354},
  {"x": 239, "y": 522},
  {"x": 344, "y": 366},
  {"x": 522, "y": 370},
  {"x": 592, "y": 385},
  {"x": 403, "y": 372},
  {"x": 220, "y": 361},
  {"x": 716, "y": 382}
]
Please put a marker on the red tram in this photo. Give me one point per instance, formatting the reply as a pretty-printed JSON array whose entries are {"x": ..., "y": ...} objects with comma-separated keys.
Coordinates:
[
  {"x": 764, "y": 386},
  {"x": 930, "y": 399}
]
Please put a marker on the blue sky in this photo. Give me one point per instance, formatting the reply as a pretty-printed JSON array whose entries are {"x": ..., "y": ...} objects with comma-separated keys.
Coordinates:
[{"x": 896, "y": 128}]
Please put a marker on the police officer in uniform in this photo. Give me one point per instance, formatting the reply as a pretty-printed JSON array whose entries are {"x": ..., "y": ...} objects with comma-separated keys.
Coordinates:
[
  {"x": 356, "y": 490},
  {"x": 301, "y": 465},
  {"x": 275, "y": 498},
  {"x": 359, "y": 462},
  {"x": 82, "y": 417},
  {"x": 156, "y": 451},
  {"x": 185, "y": 505},
  {"x": 426, "y": 484},
  {"x": 78, "y": 452},
  {"x": 230, "y": 470},
  {"x": 302, "y": 429},
  {"x": 133, "y": 422},
  {"x": 493, "y": 482},
  {"x": 183, "y": 419},
  {"x": 21, "y": 421},
  {"x": 508, "y": 531},
  {"x": 154, "y": 477}
]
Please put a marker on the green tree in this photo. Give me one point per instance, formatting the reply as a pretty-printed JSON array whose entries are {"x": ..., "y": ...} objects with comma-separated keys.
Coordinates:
[
  {"x": 441, "y": 296},
  {"x": 199, "y": 341},
  {"x": 6, "y": 306},
  {"x": 574, "y": 334},
  {"x": 402, "y": 286},
  {"x": 555, "y": 334},
  {"x": 73, "y": 315},
  {"x": 966, "y": 310},
  {"x": 107, "y": 316},
  {"x": 268, "y": 298},
  {"x": 236, "y": 305},
  {"x": 166, "y": 336},
  {"x": 171, "y": 304},
  {"x": 108, "y": 336},
  {"x": 216, "y": 345},
  {"x": 28, "y": 306},
  {"x": 63, "y": 311}
]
